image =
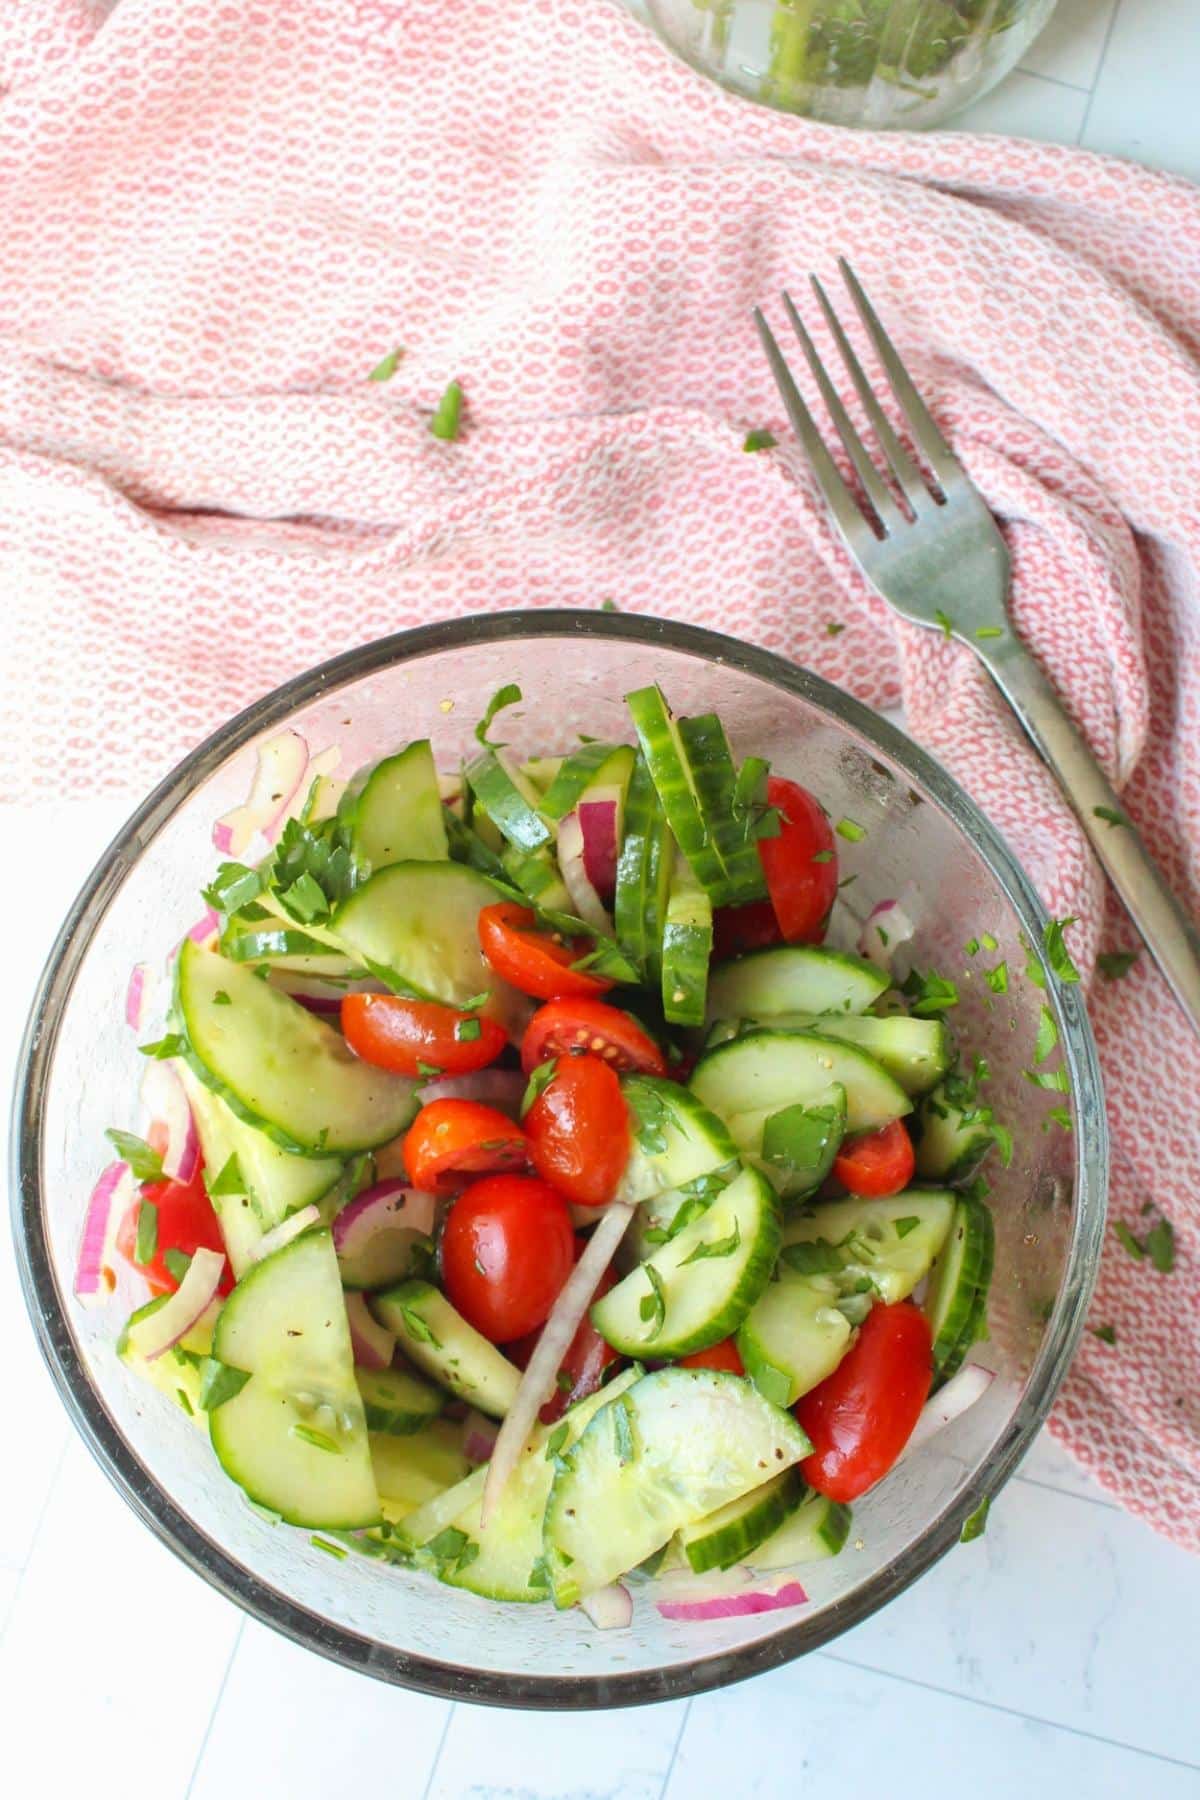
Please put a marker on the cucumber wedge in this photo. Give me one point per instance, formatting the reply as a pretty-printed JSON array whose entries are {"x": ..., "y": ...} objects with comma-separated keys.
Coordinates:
[
  {"x": 890, "y": 1243},
  {"x": 950, "y": 1144},
  {"x": 276, "y": 1182},
  {"x": 698, "y": 1287},
  {"x": 416, "y": 926},
  {"x": 956, "y": 1303},
  {"x": 176, "y": 1373},
  {"x": 714, "y": 775},
  {"x": 696, "y": 1440},
  {"x": 686, "y": 946},
  {"x": 410, "y": 1471},
  {"x": 509, "y": 799},
  {"x": 644, "y": 869},
  {"x": 793, "y": 1337},
  {"x": 276, "y": 946},
  {"x": 793, "y": 978},
  {"x": 295, "y": 1437},
  {"x": 767, "y": 1070},
  {"x": 817, "y": 1529},
  {"x": 396, "y": 1402},
  {"x": 394, "y": 810},
  {"x": 585, "y": 771},
  {"x": 734, "y": 1532},
  {"x": 794, "y": 1146},
  {"x": 916, "y": 1052},
  {"x": 670, "y": 770},
  {"x": 676, "y": 1145},
  {"x": 440, "y": 1342}
]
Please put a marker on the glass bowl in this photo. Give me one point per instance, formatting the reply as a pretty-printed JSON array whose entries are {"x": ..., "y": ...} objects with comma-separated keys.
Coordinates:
[
  {"x": 876, "y": 63},
  {"x": 924, "y": 842}
]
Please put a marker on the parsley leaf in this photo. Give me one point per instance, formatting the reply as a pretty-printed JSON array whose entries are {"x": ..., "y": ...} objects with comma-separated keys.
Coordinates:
[
  {"x": 219, "y": 1383},
  {"x": 818, "y": 1257},
  {"x": 1057, "y": 954},
  {"x": 945, "y": 621},
  {"x": 1054, "y": 1081},
  {"x": 505, "y": 696},
  {"x": 230, "y": 1179},
  {"x": 1047, "y": 1036},
  {"x": 719, "y": 1247},
  {"x": 975, "y": 1526},
  {"x": 1132, "y": 1245},
  {"x": 930, "y": 994},
  {"x": 417, "y": 1328},
  {"x": 467, "y": 1030},
  {"x": 146, "y": 1244},
  {"x": 988, "y": 941},
  {"x": 319, "y": 1440},
  {"x": 653, "y": 1305},
  {"x": 1160, "y": 1245},
  {"x": 1112, "y": 964},
  {"x": 833, "y": 628},
  {"x": 556, "y": 1440},
  {"x": 232, "y": 887},
  {"x": 177, "y": 1263},
  {"x": 145, "y": 1164},
  {"x": 1110, "y": 815},
  {"x": 796, "y": 1138},
  {"x": 446, "y": 422},
  {"x": 322, "y": 852},
  {"x": 904, "y": 1226},
  {"x": 164, "y": 1048},
  {"x": 821, "y": 856},
  {"x": 1057, "y": 1115},
  {"x": 989, "y": 631},
  {"x": 760, "y": 440},
  {"x": 384, "y": 370},
  {"x": 1033, "y": 969},
  {"x": 538, "y": 1082},
  {"x": 848, "y": 829},
  {"x": 622, "y": 1419},
  {"x": 305, "y": 899},
  {"x": 997, "y": 978},
  {"x": 651, "y": 1118},
  {"x": 1106, "y": 1333}
]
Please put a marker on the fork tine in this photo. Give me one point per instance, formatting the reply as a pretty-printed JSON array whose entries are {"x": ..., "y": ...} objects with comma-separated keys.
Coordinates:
[
  {"x": 902, "y": 465},
  {"x": 937, "y": 451},
  {"x": 840, "y": 500},
  {"x": 875, "y": 487}
]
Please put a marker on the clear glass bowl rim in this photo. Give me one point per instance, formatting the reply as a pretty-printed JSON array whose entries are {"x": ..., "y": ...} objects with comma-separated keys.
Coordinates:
[{"x": 155, "y": 1507}]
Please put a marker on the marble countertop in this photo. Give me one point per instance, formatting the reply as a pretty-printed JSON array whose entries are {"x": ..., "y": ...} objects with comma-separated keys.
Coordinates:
[{"x": 1051, "y": 1655}]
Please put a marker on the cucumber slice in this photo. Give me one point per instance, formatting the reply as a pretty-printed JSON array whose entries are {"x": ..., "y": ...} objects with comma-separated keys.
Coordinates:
[
  {"x": 537, "y": 874},
  {"x": 505, "y": 1561},
  {"x": 671, "y": 772},
  {"x": 916, "y": 1052},
  {"x": 396, "y": 1402},
  {"x": 793, "y": 1337},
  {"x": 733, "y": 1532},
  {"x": 890, "y": 1243},
  {"x": 416, "y": 925},
  {"x": 793, "y": 978},
  {"x": 276, "y": 1182},
  {"x": 794, "y": 1146},
  {"x": 698, "y": 1287},
  {"x": 686, "y": 946},
  {"x": 440, "y": 1342},
  {"x": 817, "y": 1529},
  {"x": 591, "y": 766},
  {"x": 676, "y": 1145},
  {"x": 950, "y": 1145},
  {"x": 767, "y": 1070},
  {"x": 410, "y": 1471},
  {"x": 394, "y": 810},
  {"x": 730, "y": 822},
  {"x": 279, "y": 1067},
  {"x": 697, "y": 1439},
  {"x": 176, "y": 1373},
  {"x": 541, "y": 770},
  {"x": 509, "y": 799},
  {"x": 644, "y": 869},
  {"x": 283, "y": 947},
  {"x": 295, "y": 1437},
  {"x": 956, "y": 1303}
]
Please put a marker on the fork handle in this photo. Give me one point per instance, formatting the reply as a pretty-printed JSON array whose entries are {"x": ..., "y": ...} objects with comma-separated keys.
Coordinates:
[{"x": 1170, "y": 938}]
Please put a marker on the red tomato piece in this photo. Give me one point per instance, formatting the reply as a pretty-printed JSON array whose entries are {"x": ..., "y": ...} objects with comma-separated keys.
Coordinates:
[
  {"x": 578, "y": 1130},
  {"x": 737, "y": 929},
  {"x": 185, "y": 1222},
  {"x": 537, "y": 962},
  {"x": 452, "y": 1139},
  {"x": 565, "y": 1027},
  {"x": 718, "y": 1356},
  {"x": 588, "y": 1356},
  {"x": 877, "y": 1163},
  {"x": 860, "y": 1417},
  {"x": 410, "y": 1037},
  {"x": 802, "y": 889},
  {"x": 507, "y": 1250}
]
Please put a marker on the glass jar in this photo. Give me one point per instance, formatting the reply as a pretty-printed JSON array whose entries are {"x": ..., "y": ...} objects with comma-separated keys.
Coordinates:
[{"x": 878, "y": 63}]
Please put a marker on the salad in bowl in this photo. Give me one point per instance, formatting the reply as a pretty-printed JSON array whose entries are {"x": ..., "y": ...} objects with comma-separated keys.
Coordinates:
[{"x": 536, "y": 1184}]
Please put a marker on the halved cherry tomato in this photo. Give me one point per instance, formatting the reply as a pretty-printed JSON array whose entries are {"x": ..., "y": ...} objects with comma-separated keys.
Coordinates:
[
  {"x": 718, "y": 1356},
  {"x": 877, "y": 1163},
  {"x": 410, "y": 1037},
  {"x": 451, "y": 1139},
  {"x": 578, "y": 1130},
  {"x": 737, "y": 929},
  {"x": 507, "y": 1250},
  {"x": 588, "y": 1355},
  {"x": 565, "y": 1026},
  {"x": 802, "y": 890},
  {"x": 186, "y": 1222},
  {"x": 860, "y": 1417},
  {"x": 534, "y": 961}
]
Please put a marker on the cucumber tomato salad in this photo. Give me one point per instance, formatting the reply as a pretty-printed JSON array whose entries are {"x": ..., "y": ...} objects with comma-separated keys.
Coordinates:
[{"x": 531, "y": 1197}]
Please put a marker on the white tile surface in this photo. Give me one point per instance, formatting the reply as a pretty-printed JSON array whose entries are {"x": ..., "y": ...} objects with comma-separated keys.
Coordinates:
[
  {"x": 1071, "y": 46},
  {"x": 511, "y": 1756},
  {"x": 1027, "y": 105},
  {"x": 1144, "y": 98}
]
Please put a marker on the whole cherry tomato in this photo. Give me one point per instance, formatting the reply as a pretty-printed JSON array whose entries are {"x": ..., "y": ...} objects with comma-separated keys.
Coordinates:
[
  {"x": 578, "y": 1130},
  {"x": 877, "y": 1163},
  {"x": 507, "y": 1250},
  {"x": 413, "y": 1037},
  {"x": 800, "y": 864},
  {"x": 537, "y": 962},
  {"x": 860, "y": 1417},
  {"x": 451, "y": 1139}
]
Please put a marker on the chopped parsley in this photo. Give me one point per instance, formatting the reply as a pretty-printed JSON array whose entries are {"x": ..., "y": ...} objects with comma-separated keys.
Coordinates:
[
  {"x": 230, "y": 1179},
  {"x": 930, "y": 994},
  {"x": 1057, "y": 1115},
  {"x": 719, "y": 1247},
  {"x": 318, "y": 1439},
  {"x": 997, "y": 978},
  {"x": 219, "y": 1383},
  {"x": 833, "y": 628},
  {"x": 417, "y": 1328},
  {"x": 818, "y": 1257},
  {"x": 945, "y": 621},
  {"x": 221, "y": 998},
  {"x": 177, "y": 1263},
  {"x": 323, "y": 854},
  {"x": 164, "y": 1048},
  {"x": 622, "y": 1419},
  {"x": 848, "y": 829},
  {"x": 760, "y": 440},
  {"x": 335, "y": 1550},
  {"x": 556, "y": 1440},
  {"x": 145, "y": 1164},
  {"x": 988, "y": 941},
  {"x": 538, "y": 1082},
  {"x": 821, "y": 856},
  {"x": 233, "y": 887},
  {"x": 653, "y": 1306},
  {"x": 904, "y": 1226},
  {"x": 975, "y": 1526},
  {"x": 146, "y": 1244},
  {"x": 446, "y": 422},
  {"x": 505, "y": 696},
  {"x": 1110, "y": 815},
  {"x": 1132, "y": 1245},
  {"x": 1106, "y": 1333},
  {"x": 1054, "y": 1081},
  {"x": 1113, "y": 964},
  {"x": 1047, "y": 1036},
  {"x": 1057, "y": 954},
  {"x": 467, "y": 1030},
  {"x": 989, "y": 631},
  {"x": 386, "y": 368}
]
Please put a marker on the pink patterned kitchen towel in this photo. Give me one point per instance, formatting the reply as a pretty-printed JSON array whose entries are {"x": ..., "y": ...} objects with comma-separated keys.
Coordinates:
[{"x": 218, "y": 215}]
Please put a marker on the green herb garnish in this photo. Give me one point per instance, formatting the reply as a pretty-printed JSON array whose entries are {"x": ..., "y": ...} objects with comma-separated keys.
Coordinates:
[
  {"x": 760, "y": 440},
  {"x": 848, "y": 829},
  {"x": 989, "y": 631},
  {"x": 1106, "y": 1333},
  {"x": 1054, "y": 1081},
  {"x": 556, "y": 1440},
  {"x": 219, "y": 1383},
  {"x": 1047, "y": 1036},
  {"x": 719, "y": 1247},
  {"x": 833, "y": 628},
  {"x": 233, "y": 887},
  {"x": 1057, "y": 954},
  {"x": 446, "y": 422},
  {"x": 976, "y": 1524},
  {"x": 467, "y": 1030},
  {"x": 146, "y": 1244},
  {"x": 997, "y": 978},
  {"x": 177, "y": 1263},
  {"x": 506, "y": 696},
  {"x": 335, "y": 1550},
  {"x": 417, "y": 1328},
  {"x": 819, "y": 1257},
  {"x": 622, "y": 1418},
  {"x": 945, "y": 621},
  {"x": 319, "y": 1440},
  {"x": 821, "y": 856},
  {"x": 930, "y": 994},
  {"x": 385, "y": 369},
  {"x": 538, "y": 1082},
  {"x": 1110, "y": 815},
  {"x": 164, "y": 1048},
  {"x": 230, "y": 1180},
  {"x": 904, "y": 1226},
  {"x": 1127, "y": 1241},
  {"x": 145, "y": 1164},
  {"x": 1113, "y": 964},
  {"x": 1057, "y": 1115},
  {"x": 653, "y": 1305}
]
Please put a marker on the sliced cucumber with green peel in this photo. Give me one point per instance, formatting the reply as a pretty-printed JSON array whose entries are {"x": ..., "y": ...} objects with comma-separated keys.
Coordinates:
[
  {"x": 280, "y": 1068},
  {"x": 295, "y": 1437},
  {"x": 441, "y": 1343},
  {"x": 176, "y": 1373},
  {"x": 767, "y": 1070},
  {"x": 396, "y": 1402},
  {"x": 590, "y": 767},
  {"x": 698, "y": 1287},
  {"x": 671, "y": 772},
  {"x": 730, "y": 822},
  {"x": 411, "y": 1470},
  {"x": 732, "y": 1533},
  {"x": 537, "y": 874},
  {"x": 916, "y": 1052},
  {"x": 817, "y": 1529},
  {"x": 795, "y": 1145},
  {"x": 284, "y": 947},
  {"x": 676, "y": 1146},
  {"x": 890, "y": 1243},
  {"x": 956, "y": 1301},
  {"x": 793, "y": 978},
  {"x": 509, "y": 799},
  {"x": 394, "y": 810},
  {"x": 644, "y": 869},
  {"x": 696, "y": 1440},
  {"x": 686, "y": 946},
  {"x": 951, "y": 1144},
  {"x": 793, "y": 1337}
]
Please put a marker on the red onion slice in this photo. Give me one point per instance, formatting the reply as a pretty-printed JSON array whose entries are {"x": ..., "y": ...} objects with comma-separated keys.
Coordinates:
[
  {"x": 282, "y": 762},
  {"x": 584, "y": 898},
  {"x": 136, "y": 996},
  {"x": 163, "y": 1329},
  {"x": 285, "y": 1231},
  {"x": 375, "y": 1234},
  {"x": 502, "y": 1088},
  {"x": 887, "y": 926},
  {"x": 479, "y": 1437},
  {"x": 537, "y": 1382},
  {"x": 165, "y": 1099},
  {"x": 960, "y": 1392},
  {"x": 373, "y": 1344},
  {"x": 724, "y": 1594},
  {"x": 104, "y": 1210},
  {"x": 609, "y": 1608},
  {"x": 600, "y": 825}
]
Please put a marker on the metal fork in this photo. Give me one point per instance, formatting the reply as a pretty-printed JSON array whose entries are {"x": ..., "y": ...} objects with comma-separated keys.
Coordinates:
[{"x": 940, "y": 561}]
